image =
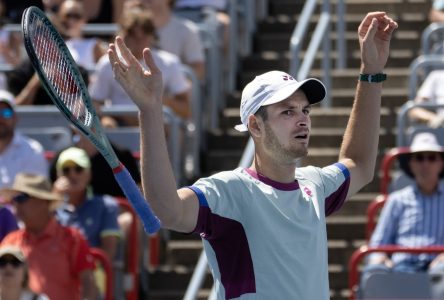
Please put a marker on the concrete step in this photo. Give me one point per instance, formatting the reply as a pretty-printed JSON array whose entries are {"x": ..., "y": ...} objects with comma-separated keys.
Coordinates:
[
  {"x": 402, "y": 39},
  {"x": 290, "y": 7},
  {"x": 286, "y": 23}
]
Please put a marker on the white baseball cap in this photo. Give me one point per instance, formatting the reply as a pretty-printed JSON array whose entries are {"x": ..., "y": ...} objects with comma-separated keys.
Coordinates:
[{"x": 273, "y": 87}]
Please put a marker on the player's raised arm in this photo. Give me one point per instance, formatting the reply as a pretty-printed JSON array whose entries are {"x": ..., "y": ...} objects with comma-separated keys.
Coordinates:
[
  {"x": 158, "y": 182},
  {"x": 360, "y": 143}
]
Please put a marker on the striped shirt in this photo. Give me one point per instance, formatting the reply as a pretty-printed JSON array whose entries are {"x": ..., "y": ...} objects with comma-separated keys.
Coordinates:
[{"x": 411, "y": 219}]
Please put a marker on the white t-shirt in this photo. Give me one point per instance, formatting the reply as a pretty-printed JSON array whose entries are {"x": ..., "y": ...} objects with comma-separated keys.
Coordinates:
[
  {"x": 182, "y": 38},
  {"x": 82, "y": 51},
  {"x": 105, "y": 88},
  {"x": 22, "y": 155},
  {"x": 265, "y": 239},
  {"x": 433, "y": 88}
]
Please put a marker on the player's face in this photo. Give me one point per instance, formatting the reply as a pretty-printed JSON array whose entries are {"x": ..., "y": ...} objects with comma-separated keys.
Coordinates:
[{"x": 286, "y": 131}]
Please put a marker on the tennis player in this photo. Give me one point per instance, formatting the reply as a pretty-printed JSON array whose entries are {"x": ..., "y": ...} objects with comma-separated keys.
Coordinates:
[{"x": 263, "y": 227}]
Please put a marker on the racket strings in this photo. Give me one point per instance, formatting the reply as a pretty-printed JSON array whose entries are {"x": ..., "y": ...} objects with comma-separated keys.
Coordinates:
[{"x": 59, "y": 71}]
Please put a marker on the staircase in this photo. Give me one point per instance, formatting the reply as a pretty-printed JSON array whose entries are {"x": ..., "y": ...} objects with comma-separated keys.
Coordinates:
[{"x": 225, "y": 145}]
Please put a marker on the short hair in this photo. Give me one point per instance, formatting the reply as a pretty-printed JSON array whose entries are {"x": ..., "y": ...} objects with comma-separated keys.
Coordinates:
[
  {"x": 262, "y": 113},
  {"x": 137, "y": 18}
]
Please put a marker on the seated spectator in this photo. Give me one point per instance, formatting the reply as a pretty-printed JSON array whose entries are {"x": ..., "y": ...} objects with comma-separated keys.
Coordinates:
[
  {"x": 59, "y": 258},
  {"x": 14, "y": 276},
  {"x": 94, "y": 215},
  {"x": 209, "y": 12},
  {"x": 176, "y": 35},
  {"x": 412, "y": 216},
  {"x": 10, "y": 42},
  {"x": 85, "y": 51},
  {"x": 17, "y": 152},
  {"x": 102, "y": 181},
  {"x": 8, "y": 222},
  {"x": 138, "y": 32},
  {"x": 431, "y": 91}
]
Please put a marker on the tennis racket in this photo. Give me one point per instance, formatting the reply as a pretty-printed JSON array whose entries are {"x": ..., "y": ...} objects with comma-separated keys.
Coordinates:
[{"x": 63, "y": 82}]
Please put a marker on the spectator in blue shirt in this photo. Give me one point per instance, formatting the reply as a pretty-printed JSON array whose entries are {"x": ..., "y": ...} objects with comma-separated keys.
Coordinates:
[
  {"x": 94, "y": 215},
  {"x": 414, "y": 215}
]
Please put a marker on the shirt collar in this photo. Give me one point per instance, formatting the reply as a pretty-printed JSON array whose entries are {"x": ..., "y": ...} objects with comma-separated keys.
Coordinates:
[{"x": 275, "y": 184}]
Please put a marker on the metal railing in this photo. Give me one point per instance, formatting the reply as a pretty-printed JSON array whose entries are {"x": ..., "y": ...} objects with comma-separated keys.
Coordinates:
[
  {"x": 424, "y": 63},
  {"x": 301, "y": 70},
  {"x": 431, "y": 35}
]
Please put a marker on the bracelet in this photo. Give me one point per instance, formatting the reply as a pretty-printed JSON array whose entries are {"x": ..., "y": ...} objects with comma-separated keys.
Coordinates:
[{"x": 373, "y": 78}]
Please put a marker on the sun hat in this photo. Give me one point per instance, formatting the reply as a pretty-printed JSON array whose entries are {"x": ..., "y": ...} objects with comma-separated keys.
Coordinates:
[
  {"x": 34, "y": 185},
  {"x": 421, "y": 142},
  {"x": 273, "y": 87},
  {"x": 7, "y": 97},
  {"x": 75, "y": 155},
  {"x": 12, "y": 250}
]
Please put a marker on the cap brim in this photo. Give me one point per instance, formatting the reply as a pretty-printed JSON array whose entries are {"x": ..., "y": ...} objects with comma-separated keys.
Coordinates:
[{"x": 313, "y": 89}]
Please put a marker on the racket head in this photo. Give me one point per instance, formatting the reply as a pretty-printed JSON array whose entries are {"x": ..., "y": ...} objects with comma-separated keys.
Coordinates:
[{"x": 62, "y": 79}]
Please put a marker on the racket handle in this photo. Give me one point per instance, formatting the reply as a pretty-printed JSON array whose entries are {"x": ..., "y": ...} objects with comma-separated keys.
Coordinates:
[{"x": 132, "y": 192}]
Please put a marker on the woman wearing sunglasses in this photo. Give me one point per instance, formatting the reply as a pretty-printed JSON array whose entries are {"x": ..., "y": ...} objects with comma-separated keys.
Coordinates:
[{"x": 14, "y": 276}]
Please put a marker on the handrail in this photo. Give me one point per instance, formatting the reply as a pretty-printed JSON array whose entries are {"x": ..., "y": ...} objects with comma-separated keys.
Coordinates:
[
  {"x": 402, "y": 120},
  {"x": 321, "y": 31},
  {"x": 102, "y": 257},
  {"x": 132, "y": 252},
  {"x": 427, "y": 36},
  {"x": 422, "y": 62},
  {"x": 360, "y": 253}
]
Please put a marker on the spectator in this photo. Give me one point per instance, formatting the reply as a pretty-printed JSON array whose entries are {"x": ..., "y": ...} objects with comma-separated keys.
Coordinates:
[
  {"x": 102, "y": 177},
  {"x": 431, "y": 91},
  {"x": 85, "y": 51},
  {"x": 23, "y": 82},
  {"x": 177, "y": 35},
  {"x": 60, "y": 263},
  {"x": 94, "y": 215},
  {"x": 436, "y": 13},
  {"x": 137, "y": 29},
  {"x": 17, "y": 152},
  {"x": 208, "y": 12},
  {"x": 8, "y": 222},
  {"x": 14, "y": 276},
  {"x": 10, "y": 42},
  {"x": 412, "y": 216}
]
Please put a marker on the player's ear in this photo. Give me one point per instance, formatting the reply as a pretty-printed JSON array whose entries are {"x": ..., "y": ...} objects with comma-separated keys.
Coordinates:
[{"x": 255, "y": 125}]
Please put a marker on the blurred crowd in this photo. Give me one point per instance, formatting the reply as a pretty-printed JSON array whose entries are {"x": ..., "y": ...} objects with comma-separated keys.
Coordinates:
[{"x": 55, "y": 208}]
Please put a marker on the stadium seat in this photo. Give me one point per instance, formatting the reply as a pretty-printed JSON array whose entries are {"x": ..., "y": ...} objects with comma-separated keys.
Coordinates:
[{"x": 396, "y": 286}]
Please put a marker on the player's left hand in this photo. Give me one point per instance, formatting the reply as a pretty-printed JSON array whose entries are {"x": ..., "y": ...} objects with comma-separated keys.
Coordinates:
[{"x": 375, "y": 33}]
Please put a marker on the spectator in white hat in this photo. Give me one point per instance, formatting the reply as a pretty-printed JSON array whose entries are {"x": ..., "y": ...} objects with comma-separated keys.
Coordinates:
[
  {"x": 14, "y": 276},
  {"x": 18, "y": 153},
  {"x": 413, "y": 216},
  {"x": 264, "y": 226}
]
